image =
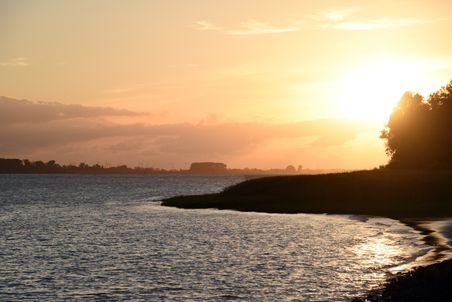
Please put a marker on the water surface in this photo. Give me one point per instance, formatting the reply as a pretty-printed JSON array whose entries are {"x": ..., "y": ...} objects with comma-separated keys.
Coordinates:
[{"x": 95, "y": 238}]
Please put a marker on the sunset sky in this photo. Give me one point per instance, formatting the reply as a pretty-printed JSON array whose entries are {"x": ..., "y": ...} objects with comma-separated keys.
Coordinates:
[{"x": 252, "y": 83}]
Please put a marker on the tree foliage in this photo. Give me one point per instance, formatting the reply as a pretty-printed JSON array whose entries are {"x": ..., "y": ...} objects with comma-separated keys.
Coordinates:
[{"x": 419, "y": 132}]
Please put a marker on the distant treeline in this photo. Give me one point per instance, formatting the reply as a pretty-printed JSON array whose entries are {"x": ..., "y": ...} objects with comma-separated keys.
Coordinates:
[
  {"x": 25, "y": 166},
  {"x": 13, "y": 165}
]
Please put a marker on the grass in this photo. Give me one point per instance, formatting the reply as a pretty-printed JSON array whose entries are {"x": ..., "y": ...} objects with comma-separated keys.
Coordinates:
[{"x": 384, "y": 192}]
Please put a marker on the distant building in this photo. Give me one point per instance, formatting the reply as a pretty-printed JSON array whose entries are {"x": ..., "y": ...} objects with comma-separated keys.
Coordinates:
[
  {"x": 208, "y": 168},
  {"x": 290, "y": 169}
]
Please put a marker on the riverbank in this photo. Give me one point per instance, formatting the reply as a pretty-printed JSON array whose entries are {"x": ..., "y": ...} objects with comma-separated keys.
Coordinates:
[{"x": 389, "y": 193}]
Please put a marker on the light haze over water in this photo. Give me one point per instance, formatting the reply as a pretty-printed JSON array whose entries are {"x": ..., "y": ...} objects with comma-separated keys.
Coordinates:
[{"x": 106, "y": 238}]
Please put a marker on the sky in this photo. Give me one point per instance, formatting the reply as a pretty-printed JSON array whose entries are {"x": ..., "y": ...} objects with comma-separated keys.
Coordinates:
[{"x": 252, "y": 83}]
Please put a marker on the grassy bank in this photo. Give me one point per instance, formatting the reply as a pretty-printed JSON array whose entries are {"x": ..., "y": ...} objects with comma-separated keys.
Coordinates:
[{"x": 391, "y": 193}]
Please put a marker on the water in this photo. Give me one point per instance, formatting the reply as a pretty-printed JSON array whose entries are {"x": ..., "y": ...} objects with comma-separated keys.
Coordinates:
[{"x": 105, "y": 238}]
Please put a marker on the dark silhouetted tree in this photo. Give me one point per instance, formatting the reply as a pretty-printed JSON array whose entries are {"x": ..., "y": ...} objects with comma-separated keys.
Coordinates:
[
  {"x": 12, "y": 165},
  {"x": 419, "y": 132}
]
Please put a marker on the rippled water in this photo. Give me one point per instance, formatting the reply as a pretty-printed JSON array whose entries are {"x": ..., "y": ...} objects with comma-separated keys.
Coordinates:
[{"x": 104, "y": 238}]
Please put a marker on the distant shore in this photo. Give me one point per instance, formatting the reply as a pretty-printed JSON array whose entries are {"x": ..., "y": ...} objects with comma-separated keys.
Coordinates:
[
  {"x": 421, "y": 199},
  {"x": 25, "y": 166}
]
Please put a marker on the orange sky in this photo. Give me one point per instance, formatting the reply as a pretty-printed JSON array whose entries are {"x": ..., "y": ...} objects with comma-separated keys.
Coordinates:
[{"x": 250, "y": 83}]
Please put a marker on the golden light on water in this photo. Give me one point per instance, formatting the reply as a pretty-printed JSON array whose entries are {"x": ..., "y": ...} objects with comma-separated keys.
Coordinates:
[{"x": 381, "y": 250}]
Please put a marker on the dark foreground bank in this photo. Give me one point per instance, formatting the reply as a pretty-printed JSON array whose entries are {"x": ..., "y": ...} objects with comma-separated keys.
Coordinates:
[
  {"x": 390, "y": 193},
  {"x": 425, "y": 284}
]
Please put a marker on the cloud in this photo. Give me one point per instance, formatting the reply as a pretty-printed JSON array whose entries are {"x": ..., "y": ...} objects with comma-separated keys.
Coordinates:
[
  {"x": 16, "y": 62},
  {"x": 345, "y": 19},
  {"x": 75, "y": 133},
  {"x": 13, "y": 111},
  {"x": 253, "y": 27},
  {"x": 250, "y": 27},
  {"x": 339, "y": 19},
  {"x": 382, "y": 23},
  {"x": 337, "y": 14},
  {"x": 177, "y": 139},
  {"x": 206, "y": 25}
]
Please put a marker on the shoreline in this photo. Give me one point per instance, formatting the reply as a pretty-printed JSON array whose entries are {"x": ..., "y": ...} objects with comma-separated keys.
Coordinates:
[
  {"x": 436, "y": 233},
  {"x": 399, "y": 194},
  {"x": 429, "y": 276},
  {"x": 426, "y": 278},
  {"x": 420, "y": 199}
]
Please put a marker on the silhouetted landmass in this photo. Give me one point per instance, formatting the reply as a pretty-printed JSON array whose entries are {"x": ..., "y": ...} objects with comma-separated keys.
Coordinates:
[
  {"x": 385, "y": 192},
  {"x": 208, "y": 167},
  {"x": 14, "y": 165},
  {"x": 26, "y": 166},
  {"x": 431, "y": 283},
  {"x": 419, "y": 131}
]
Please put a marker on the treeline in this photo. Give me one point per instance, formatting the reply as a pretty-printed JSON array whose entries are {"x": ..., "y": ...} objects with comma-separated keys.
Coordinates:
[
  {"x": 13, "y": 165},
  {"x": 25, "y": 166},
  {"x": 419, "y": 131}
]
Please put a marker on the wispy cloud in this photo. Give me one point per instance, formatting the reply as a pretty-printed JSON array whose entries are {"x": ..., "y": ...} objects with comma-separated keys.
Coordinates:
[
  {"x": 339, "y": 19},
  {"x": 337, "y": 14},
  {"x": 253, "y": 27},
  {"x": 13, "y": 111},
  {"x": 206, "y": 25},
  {"x": 382, "y": 23},
  {"x": 346, "y": 19},
  {"x": 250, "y": 27},
  {"x": 16, "y": 62}
]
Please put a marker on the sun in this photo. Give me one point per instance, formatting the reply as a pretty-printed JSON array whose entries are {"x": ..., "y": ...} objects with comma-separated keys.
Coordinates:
[{"x": 371, "y": 91}]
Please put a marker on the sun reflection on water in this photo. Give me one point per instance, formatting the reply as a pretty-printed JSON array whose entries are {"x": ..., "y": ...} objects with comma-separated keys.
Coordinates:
[{"x": 381, "y": 250}]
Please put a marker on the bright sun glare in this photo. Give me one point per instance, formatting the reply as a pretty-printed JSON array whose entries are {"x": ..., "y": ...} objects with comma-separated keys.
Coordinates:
[{"x": 371, "y": 91}]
